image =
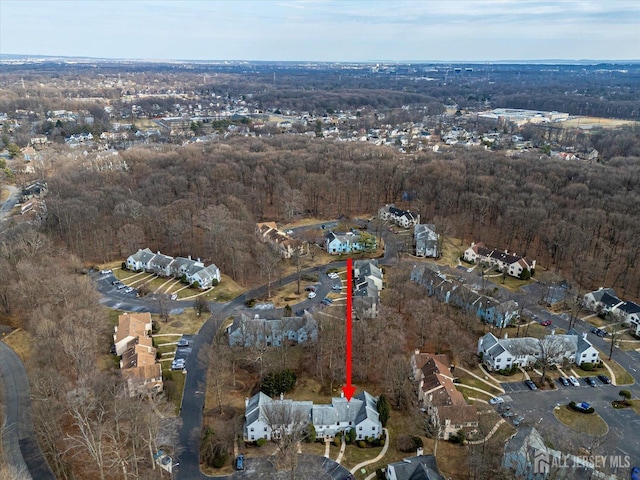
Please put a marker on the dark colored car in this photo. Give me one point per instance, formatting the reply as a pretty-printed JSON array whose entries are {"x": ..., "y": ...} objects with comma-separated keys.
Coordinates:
[
  {"x": 545, "y": 323},
  {"x": 564, "y": 381},
  {"x": 530, "y": 384},
  {"x": 599, "y": 332},
  {"x": 604, "y": 379},
  {"x": 240, "y": 462},
  {"x": 590, "y": 381}
]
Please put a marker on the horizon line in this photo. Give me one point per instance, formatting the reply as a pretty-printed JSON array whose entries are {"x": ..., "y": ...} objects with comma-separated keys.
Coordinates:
[{"x": 28, "y": 56}]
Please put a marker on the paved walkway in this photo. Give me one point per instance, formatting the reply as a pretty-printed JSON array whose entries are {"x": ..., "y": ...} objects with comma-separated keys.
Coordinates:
[
  {"x": 498, "y": 387},
  {"x": 379, "y": 457},
  {"x": 526, "y": 375},
  {"x": 490, "y": 434},
  {"x": 611, "y": 374},
  {"x": 481, "y": 367},
  {"x": 327, "y": 446},
  {"x": 342, "y": 447}
]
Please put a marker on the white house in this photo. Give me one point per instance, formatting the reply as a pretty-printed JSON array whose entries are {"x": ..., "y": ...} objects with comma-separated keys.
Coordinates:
[
  {"x": 141, "y": 260},
  {"x": 602, "y": 300},
  {"x": 206, "y": 276},
  {"x": 267, "y": 418},
  {"x": 166, "y": 266},
  {"x": 426, "y": 240},
  {"x": 402, "y": 218},
  {"x": 630, "y": 312},
  {"x": 513, "y": 264},
  {"x": 500, "y": 354}
]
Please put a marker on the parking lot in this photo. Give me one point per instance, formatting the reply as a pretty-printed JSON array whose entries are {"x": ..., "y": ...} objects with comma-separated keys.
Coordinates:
[{"x": 514, "y": 387}]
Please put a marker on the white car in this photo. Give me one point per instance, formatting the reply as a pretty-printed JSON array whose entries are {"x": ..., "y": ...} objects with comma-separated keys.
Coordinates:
[
  {"x": 574, "y": 381},
  {"x": 496, "y": 400},
  {"x": 312, "y": 295},
  {"x": 289, "y": 232},
  {"x": 177, "y": 364},
  {"x": 105, "y": 272},
  {"x": 333, "y": 275}
]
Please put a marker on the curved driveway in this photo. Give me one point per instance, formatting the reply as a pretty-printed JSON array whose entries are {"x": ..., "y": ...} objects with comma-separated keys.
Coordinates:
[{"x": 19, "y": 442}]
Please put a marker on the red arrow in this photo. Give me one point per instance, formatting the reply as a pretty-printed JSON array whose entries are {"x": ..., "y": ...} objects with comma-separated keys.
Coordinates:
[{"x": 349, "y": 389}]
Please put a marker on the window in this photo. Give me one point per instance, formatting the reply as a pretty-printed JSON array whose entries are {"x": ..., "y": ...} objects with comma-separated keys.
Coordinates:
[
  {"x": 360, "y": 428},
  {"x": 252, "y": 429},
  {"x": 593, "y": 354},
  {"x": 373, "y": 429},
  {"x": 265, "y": 429},
  {"x": 349, "y": 423}
]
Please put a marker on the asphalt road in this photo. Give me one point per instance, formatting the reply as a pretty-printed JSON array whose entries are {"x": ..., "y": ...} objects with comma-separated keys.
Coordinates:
[
  {"x": 537, "y": 407},
  {"x": 10, "y": 202},
  {"x": 19, "y": 441}
]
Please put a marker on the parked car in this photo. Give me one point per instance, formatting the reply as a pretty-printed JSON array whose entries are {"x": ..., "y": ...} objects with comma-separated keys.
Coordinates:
[
  {"x": 604, "y": 379},
  {"x": 183, "y": 342},
  {"x": 333, "y": 275},
  {"x": 128, "y": 290},
  {"x": 590, "y": 381},
  {"x": 121, "y": 286},
  {"x": 574, "y": 381},
  {"x": 518, "y": 421},
  {"x": 530, "y": 384},
  {"x": 178, "y": 364},
  {"x": 599, "y": 332},
  {"x": 106, "y": 272},
  {"x": 337, "y": 288},
  {"x": 508, "y": 414},
  {"x": 312, "y": 294},
  {"x": 564, "y": 381},
  {"x": 240, "y": 462},
  {"x": 289, "y": 232},
  {"x": 310, "y": 288},
  {"x": 583, "y": 406},
  {"x": 496, "y": 400},
  {"x": 116, "y": 282},
  {"x": 545, "y": 323},
  {"x": 299, "y": 313}
]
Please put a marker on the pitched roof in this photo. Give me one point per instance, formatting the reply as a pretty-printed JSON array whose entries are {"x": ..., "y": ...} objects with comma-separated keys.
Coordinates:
[
  {"x": 597, "y": 294},
  {"x": 132, "y": 325},
  {"x": 422, "y": 467}
]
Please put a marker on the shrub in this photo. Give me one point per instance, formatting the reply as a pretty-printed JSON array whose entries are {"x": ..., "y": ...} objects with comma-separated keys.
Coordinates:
[
  {"x": 250, "y": 303},
  {"x": 375, "y": 442},
  {"x": 261, "y": 442},
  {"x": 362, "y": 444},
  {"x": 351, "y": 435},
  {"x": 279, "y": 382},
  {"x": 418, "y": 442},
  {"x": 405, "y": 443},
  {"x": 587, "y": 367},
  {"x": 458, "y": 437},
  {"x": 380, "y": 474},
  {"x": 310, "y": 433},
  {"x": 215, "y": 282},
  {"x": 336, "y": 441},
  {"x": 123, "y": 266},
  {"x": 384, "y": 410}
]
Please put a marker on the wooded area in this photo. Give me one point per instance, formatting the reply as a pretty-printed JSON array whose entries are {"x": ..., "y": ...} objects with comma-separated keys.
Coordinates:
[{"x": 580, "y": 219}]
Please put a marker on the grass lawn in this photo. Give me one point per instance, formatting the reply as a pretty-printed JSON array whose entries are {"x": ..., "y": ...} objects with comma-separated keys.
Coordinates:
[
  {"x": 467, "y": 379},
  {"x": 179, "y": 379},
  {"x": 511, "y": 283},
  {"x": 591, "y": 424},
  {"x": 622, "y": 376},
  {"x": 451, "y": 251},
  {"x": 20, "y": 342},
  {"x": 186, "y": 322}
]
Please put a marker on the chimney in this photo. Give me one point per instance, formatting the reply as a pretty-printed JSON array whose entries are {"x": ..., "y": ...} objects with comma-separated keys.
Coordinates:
[
  {"x": 246, "y": 402},
  {"x": 189, "y": 257},
  {"x": 553, "y": 331},
  {"x": 584, "y": 335},
  {"x": 506, "y": 335},
  {"x": 416, "y": 351},
  {"x": 420, "y": 452},
  {"x": 341, "y": 394},
  {"x": 281, "y": 396}
]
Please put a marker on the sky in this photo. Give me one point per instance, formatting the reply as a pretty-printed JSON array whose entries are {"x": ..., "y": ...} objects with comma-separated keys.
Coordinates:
[{"x": 324, "y": 30}]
